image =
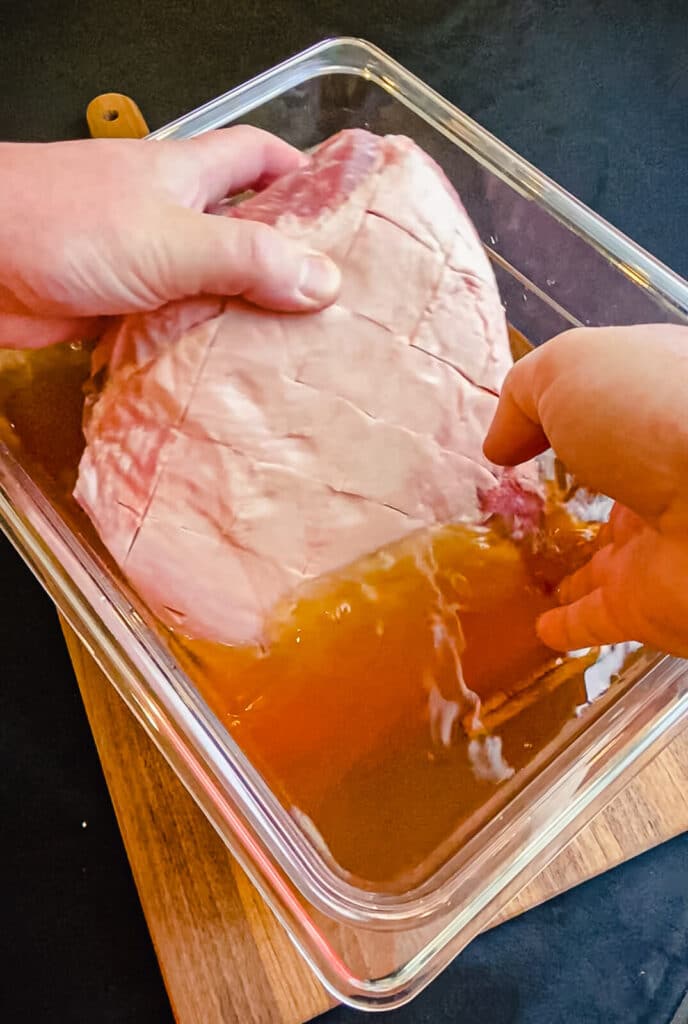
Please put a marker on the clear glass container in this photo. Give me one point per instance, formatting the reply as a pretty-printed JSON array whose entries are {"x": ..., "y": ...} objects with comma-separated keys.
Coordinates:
[{"x": 557, "y": 265}]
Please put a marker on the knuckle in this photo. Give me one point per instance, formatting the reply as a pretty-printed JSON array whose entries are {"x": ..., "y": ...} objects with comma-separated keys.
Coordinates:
[
  {"x": 247, "y": 135},
  {"x": 262, "y": 243}
]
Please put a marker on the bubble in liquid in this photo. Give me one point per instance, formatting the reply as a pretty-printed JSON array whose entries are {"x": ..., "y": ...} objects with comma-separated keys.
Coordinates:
[
  {"x": 443, "y": 714},
  {"x": 487, "y": 760}
]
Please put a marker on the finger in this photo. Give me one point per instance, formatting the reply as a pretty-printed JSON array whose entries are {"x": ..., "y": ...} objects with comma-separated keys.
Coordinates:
[
  {"x": 228, "y": 161},
  {"x": 28, "y": 332},
  {"x": 624, "y": 524},
  {"x": 621, "y": 527},
  {"x": 585, "y": 623},
  {"x": 203, "y": 254},
  {"x": 588, "y": 577},
  {"x": 516, "y": 434}
]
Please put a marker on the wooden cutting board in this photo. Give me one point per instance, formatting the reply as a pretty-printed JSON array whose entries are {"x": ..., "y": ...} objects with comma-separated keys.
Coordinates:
[{"x": 224, "y": 958}]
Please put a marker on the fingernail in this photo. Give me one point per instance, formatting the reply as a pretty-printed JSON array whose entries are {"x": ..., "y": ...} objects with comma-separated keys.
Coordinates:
[
  {"x": 563, "y": 590},
  {"x": 487, "y": 443},
  {"x": 541, "y": 628},
  {"x": 320, "y": 278}
]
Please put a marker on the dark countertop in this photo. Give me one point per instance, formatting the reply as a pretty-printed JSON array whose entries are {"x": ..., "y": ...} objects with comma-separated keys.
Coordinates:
[{"x": 593, "y": 93}]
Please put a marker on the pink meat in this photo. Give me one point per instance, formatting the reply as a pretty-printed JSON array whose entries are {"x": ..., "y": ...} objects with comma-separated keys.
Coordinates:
[{"x": 235, "y": 454}]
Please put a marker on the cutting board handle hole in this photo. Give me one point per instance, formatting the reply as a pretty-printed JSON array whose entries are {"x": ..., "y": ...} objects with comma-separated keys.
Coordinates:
[{"x": 110, "y": 115}]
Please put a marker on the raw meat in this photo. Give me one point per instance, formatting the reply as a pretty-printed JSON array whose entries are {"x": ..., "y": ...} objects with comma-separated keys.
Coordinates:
[{"x": 234, "y": 454}]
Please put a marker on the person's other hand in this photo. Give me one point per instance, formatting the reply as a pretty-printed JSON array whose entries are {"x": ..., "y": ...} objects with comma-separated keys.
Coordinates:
[
  {"x": 613, "y": 404},
  {"x": 102, "y": 227}
]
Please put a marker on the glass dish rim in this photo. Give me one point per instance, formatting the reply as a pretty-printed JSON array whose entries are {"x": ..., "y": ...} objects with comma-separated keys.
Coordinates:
[
  {"x": 336, "y": 898},
  {"x": 640, "y": 266}
]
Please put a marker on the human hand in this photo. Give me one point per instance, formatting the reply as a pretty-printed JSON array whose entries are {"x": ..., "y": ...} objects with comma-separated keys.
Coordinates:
[
  {"x": 102, "y": 227},
  {"x": 613, "y": 404}
]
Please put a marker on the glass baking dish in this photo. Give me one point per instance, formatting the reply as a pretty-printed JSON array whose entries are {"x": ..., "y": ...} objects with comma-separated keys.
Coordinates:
[{"x": 557, "y": 265}]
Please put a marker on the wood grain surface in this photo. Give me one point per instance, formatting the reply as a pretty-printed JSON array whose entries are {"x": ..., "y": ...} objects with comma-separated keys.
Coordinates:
[{"x": 224, "y": 958}]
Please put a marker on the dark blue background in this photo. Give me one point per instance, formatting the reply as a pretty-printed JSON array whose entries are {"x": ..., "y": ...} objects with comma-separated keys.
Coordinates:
[{"x": 595, "y": 94}]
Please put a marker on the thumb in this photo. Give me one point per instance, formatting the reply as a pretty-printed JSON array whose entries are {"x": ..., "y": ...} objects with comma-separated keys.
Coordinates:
[
  {"x": 516, "y": 433},
  {"x": 216, "y": 255}
]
